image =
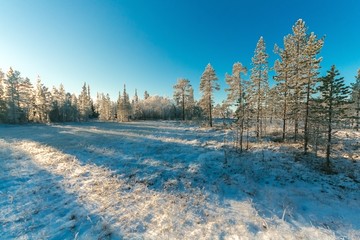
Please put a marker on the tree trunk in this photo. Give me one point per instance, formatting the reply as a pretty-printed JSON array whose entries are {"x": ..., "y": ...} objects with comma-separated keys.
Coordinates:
[
  {"x": 357, "y": 120},
  {"x": 284, "y": 120},
  {"x": 306, "y": 131},
  {"x": 183, "y": 106},
  {"x": 210, "y": 116},
  {"x": 258, "y": 109},
  {"x": 328, "y": 145}
]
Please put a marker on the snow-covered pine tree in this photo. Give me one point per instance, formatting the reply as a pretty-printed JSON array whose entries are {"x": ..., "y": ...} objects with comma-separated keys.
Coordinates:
[
  {"x": 312, "y": 64},
  {"x": 297, "y": 72},
  {"x": 236, "y": 95},
  {"x": 3, "y": 108},
  {"x": 63, "y": 104},
  {"x": 235, "y": 82},
  {"x": 74, "y": 108},
  {"x": 123, "y": 107},
  {"x": 181, "y": 94},
  {"x": 207, "y": 86},
  {"x": 104, "y": 107},
  {"x": 136, "y": 108},
  {"x": 297, "y": 79},
  {"x": 259, "y": 83},
  {"x": 355, "y": 98},
  {"x": 12, "y": 97},
  {"x": 84, "y": 104},
  {"x": 42, "y": 103},
  {"x": 333, "y": 98},
  {"x": 55, "y": 108},
  {"x": 284, "y": 70},
  {"x": 26, "y": 98}
]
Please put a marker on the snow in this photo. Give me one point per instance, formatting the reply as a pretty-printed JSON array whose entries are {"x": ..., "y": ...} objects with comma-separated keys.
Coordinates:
[{"x": 170, "y": 180}]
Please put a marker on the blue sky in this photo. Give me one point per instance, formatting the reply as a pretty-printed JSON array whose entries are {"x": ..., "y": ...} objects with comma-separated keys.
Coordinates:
[{"x": 148, "y": 45}]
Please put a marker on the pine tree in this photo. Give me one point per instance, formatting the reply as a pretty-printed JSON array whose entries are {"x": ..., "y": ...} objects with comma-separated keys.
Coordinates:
[
  {"x": 235, "y": 82},
  {"x": 334, "y": 94},
  {"x": 207, "y": 86},
  {"x": 26, "y": 98},
  {"x": 297, "y": 72},
  {"x": 296, "y": 84},
  {"x": 312, "y": 64},
  {"x": 74, "y": 113},
  {"x": 283, "y": 68},
  {"x": 355, "y": 97},
  {"x": 182, "y": 93},
  {"x": 84, "y": 104},
  {"x": 236, "y": 94},
  {"x": 63, "y": 104},
  {"x": 259, "y": 83},
  {"x": 42, "y": 103},
  {"x": 137, "y": 112},
  {"x": 3, "y": 108},
  {"x": 123, "y": 107},
  {"x": 12, "y": 97}
]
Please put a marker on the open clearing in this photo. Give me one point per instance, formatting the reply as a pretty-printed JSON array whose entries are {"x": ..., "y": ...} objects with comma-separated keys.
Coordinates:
[{"x": 168, "y": 180}]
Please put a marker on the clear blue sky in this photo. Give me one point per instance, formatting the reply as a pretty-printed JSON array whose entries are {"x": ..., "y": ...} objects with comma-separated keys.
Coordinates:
[{"x": 150, "y": 44}]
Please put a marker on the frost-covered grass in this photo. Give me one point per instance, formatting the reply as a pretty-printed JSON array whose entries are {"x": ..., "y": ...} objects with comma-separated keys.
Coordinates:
[{"x": 168, "y": 180}]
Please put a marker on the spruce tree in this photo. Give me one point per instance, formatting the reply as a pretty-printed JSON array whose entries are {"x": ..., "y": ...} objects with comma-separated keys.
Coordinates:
[
  {"x": 207, "y": 86},
  {"x": 333, "y": 98}
]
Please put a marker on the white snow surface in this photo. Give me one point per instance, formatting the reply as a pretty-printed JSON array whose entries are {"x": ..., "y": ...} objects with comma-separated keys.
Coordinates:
[{"x": 170, "y": 180}]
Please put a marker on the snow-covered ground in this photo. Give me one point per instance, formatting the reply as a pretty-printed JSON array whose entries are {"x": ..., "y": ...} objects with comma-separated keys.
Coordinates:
[{"x": 168, "y": 180}]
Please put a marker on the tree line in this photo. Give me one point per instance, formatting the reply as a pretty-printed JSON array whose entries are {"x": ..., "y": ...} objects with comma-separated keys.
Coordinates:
[{"x": 308, "y": 106}]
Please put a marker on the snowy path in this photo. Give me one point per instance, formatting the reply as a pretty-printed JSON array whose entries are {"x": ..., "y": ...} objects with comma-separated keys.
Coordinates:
[{"x": 151, "y": 180}]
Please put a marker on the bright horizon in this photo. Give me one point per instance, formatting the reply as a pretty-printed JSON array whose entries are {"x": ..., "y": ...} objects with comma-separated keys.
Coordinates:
[{"x": 149, "y": 45}]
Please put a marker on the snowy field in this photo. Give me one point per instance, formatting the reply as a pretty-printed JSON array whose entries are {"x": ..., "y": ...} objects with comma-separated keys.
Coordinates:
[{"x": 168, "y": 180}]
